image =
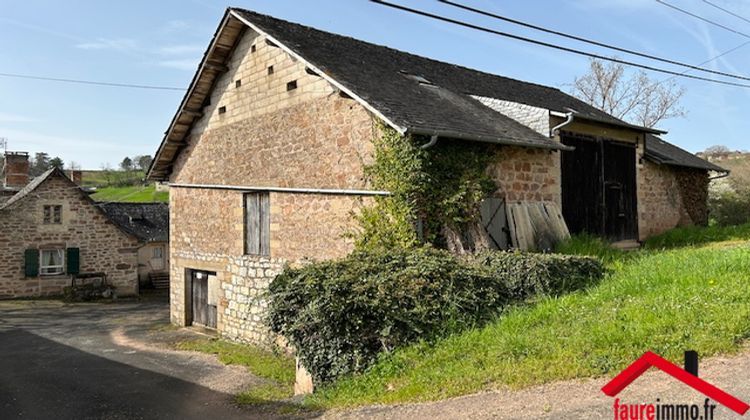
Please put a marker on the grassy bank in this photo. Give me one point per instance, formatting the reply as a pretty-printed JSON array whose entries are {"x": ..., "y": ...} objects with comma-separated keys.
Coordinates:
[
  {"x": 278, "y": 370},
  {"x": 136, "y": 194},
  {"x": 664, "y": 301}
]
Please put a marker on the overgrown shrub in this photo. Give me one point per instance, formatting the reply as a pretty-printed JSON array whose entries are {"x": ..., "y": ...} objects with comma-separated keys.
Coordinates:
[
  {"x": 340, "y": 315},
  {"x": 729, "y": 208},
  {"x": 526, "y": 275}
]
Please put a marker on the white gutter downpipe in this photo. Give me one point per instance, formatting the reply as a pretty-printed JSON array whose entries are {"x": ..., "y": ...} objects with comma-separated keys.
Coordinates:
[
  {"x": 555, "y": 129},
  {"x": 433, "y": 141}
]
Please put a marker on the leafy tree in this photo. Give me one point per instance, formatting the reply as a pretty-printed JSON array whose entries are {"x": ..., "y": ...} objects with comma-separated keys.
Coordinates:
[
  {"x": 56, "y": 162},
  {"x": 126, "y": 164},
  {"x": 632, "y": 97},
  {"x": 143, "y": 162},
  {"x": 39, "y": 164}
]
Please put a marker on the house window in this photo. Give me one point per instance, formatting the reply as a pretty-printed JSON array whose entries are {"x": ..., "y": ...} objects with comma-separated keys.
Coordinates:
[
  {"x": 291, "y": 85},
  {"x": 158, "y": 253},
  {"x": 53, "y": 215},
  {"x": 51, "y": 262},
  {"x": 257, "y": 224}
]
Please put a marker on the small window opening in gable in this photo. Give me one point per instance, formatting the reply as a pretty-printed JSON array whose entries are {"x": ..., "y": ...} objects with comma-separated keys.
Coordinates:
[
  {"x": 53, "y": 215},
  {"x": 222, "y": 109},
  {"x": 291, "y": 85},
  {"x": 237, "y": 83},
  {"x": 252, "y": 48},
  {"x": 270, "y": 70}
]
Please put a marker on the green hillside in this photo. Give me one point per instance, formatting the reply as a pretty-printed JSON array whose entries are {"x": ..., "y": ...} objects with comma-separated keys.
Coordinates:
[{"x": 133, "y": 194}]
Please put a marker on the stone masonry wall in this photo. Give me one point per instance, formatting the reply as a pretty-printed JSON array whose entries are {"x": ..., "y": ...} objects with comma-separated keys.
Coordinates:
[
  {"x": 103, "y": 247},
  {"x": 524, "y": 174},
  {"x": 303, "y": 227},
  {"x": 670, "y": 197},
  {"x": 307, "y": 137}
]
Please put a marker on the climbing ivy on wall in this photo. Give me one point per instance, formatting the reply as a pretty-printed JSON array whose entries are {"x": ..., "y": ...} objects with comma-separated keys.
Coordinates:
[{"x": 435, "y": 192}]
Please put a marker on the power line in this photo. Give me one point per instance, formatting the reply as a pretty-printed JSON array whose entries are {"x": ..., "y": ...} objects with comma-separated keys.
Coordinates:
[
  {"x": 671, "y": 6},
  {"x": 553, "y": 46},
  {"x": 726, "y": 11},
  {"x": 89, "y": 82},
  {"x": 590, "y": 41}
]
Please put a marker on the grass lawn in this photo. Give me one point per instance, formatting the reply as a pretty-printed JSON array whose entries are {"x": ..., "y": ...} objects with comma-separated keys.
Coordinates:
[
  {"x": 137, "y": 194},
  {"x": 277, "y": 369},
  {"x": 667, "y": 301}
]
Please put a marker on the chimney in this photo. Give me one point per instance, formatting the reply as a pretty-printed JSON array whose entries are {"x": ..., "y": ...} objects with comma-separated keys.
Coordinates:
[
  {"x": 16, "y": 170},
  {"x": 76, "y": 176}
]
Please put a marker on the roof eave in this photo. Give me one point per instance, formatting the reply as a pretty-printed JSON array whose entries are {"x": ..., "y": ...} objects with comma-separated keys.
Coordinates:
[
  {"x": 169, "y": 134},
  {"x": 484, "y": 139},
  {"x": 609, "y": 122}
]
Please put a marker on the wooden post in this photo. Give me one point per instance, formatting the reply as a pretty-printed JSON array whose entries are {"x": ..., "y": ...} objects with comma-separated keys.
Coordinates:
[{"x": 691, "y": 362}]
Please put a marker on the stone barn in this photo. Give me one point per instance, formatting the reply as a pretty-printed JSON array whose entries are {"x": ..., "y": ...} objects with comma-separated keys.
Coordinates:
[{"x": 265, "y": 157}]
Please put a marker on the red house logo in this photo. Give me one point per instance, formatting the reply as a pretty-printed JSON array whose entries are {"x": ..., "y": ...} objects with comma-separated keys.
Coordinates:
[{"x": 649, "y": 359}]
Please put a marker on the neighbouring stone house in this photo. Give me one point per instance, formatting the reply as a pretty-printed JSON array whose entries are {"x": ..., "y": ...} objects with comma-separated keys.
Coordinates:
[
  {"x": 51, "y": 233},
  {"x": 149, "y": 222},
  {"x": 265, "y": 157}
]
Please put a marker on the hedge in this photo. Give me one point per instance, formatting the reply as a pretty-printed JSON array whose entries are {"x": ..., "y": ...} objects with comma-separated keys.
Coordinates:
[{"x": 340, "y": 315}]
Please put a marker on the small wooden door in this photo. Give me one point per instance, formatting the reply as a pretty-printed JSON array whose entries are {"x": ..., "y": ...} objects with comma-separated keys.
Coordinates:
[{"x": 203, "y": 313}]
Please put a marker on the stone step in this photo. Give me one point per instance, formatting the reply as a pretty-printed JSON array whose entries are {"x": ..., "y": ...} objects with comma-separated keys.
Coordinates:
[{"x": 628, "y": 245}]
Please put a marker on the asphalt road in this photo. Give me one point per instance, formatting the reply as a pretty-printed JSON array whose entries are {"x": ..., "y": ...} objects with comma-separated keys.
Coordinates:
[{"x": 66, "y": 362}]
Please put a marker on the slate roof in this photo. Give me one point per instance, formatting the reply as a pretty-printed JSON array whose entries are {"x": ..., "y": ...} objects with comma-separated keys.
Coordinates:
[
  {"x": 374, "y": 73},
  {"x": 31, "y": 186},
  {"x": 417, "y": 95},
  {"x": 666, "y": 153},
  {"x": 149, "y": 222}
]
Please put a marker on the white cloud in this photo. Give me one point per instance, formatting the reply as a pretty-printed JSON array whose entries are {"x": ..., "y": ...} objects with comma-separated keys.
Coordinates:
[
  {"x": 187, "y": 64},
  {"x": 117, "y": 44}
]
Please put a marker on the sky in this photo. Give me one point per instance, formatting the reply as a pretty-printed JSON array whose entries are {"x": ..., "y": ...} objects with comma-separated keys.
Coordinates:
[{"x": 161, "y": 42}]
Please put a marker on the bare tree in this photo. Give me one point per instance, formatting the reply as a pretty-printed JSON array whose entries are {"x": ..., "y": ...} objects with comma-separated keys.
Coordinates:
[
  {"x": 631, "y": 97},
  {"x": 718, "y": 150}
]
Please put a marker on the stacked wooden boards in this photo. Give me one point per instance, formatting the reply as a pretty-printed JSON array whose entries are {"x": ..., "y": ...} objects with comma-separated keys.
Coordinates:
[{"x": 536, "y": 226}]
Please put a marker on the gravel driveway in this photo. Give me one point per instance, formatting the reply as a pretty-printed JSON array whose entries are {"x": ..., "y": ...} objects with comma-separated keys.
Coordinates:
[
  {"x": 582, "y": 399},
  {"x": 106, "y": 361}
]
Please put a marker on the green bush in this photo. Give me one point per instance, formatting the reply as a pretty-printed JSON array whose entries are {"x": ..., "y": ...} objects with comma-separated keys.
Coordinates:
[
  {"x": 527, "y": 275},
  {"x": 729, "y": 208},
  {"x": 340, "y": 315}
]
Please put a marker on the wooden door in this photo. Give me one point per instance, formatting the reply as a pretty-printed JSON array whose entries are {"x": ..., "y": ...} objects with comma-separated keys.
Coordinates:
[
  {"x": 203, "y": 313},
  {"x": 599, "y": 188},
  {"x": 582, "y": 201},
  {"x": 621, "y": 213}
]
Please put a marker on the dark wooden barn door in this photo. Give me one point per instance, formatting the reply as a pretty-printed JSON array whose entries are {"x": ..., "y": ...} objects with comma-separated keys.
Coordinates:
[
  {"x": 599, "y": 188},
  {"x": 620, "y": 212},
  {"x": 581, "y": 186},
  {"x": 203, "y": 313}
]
